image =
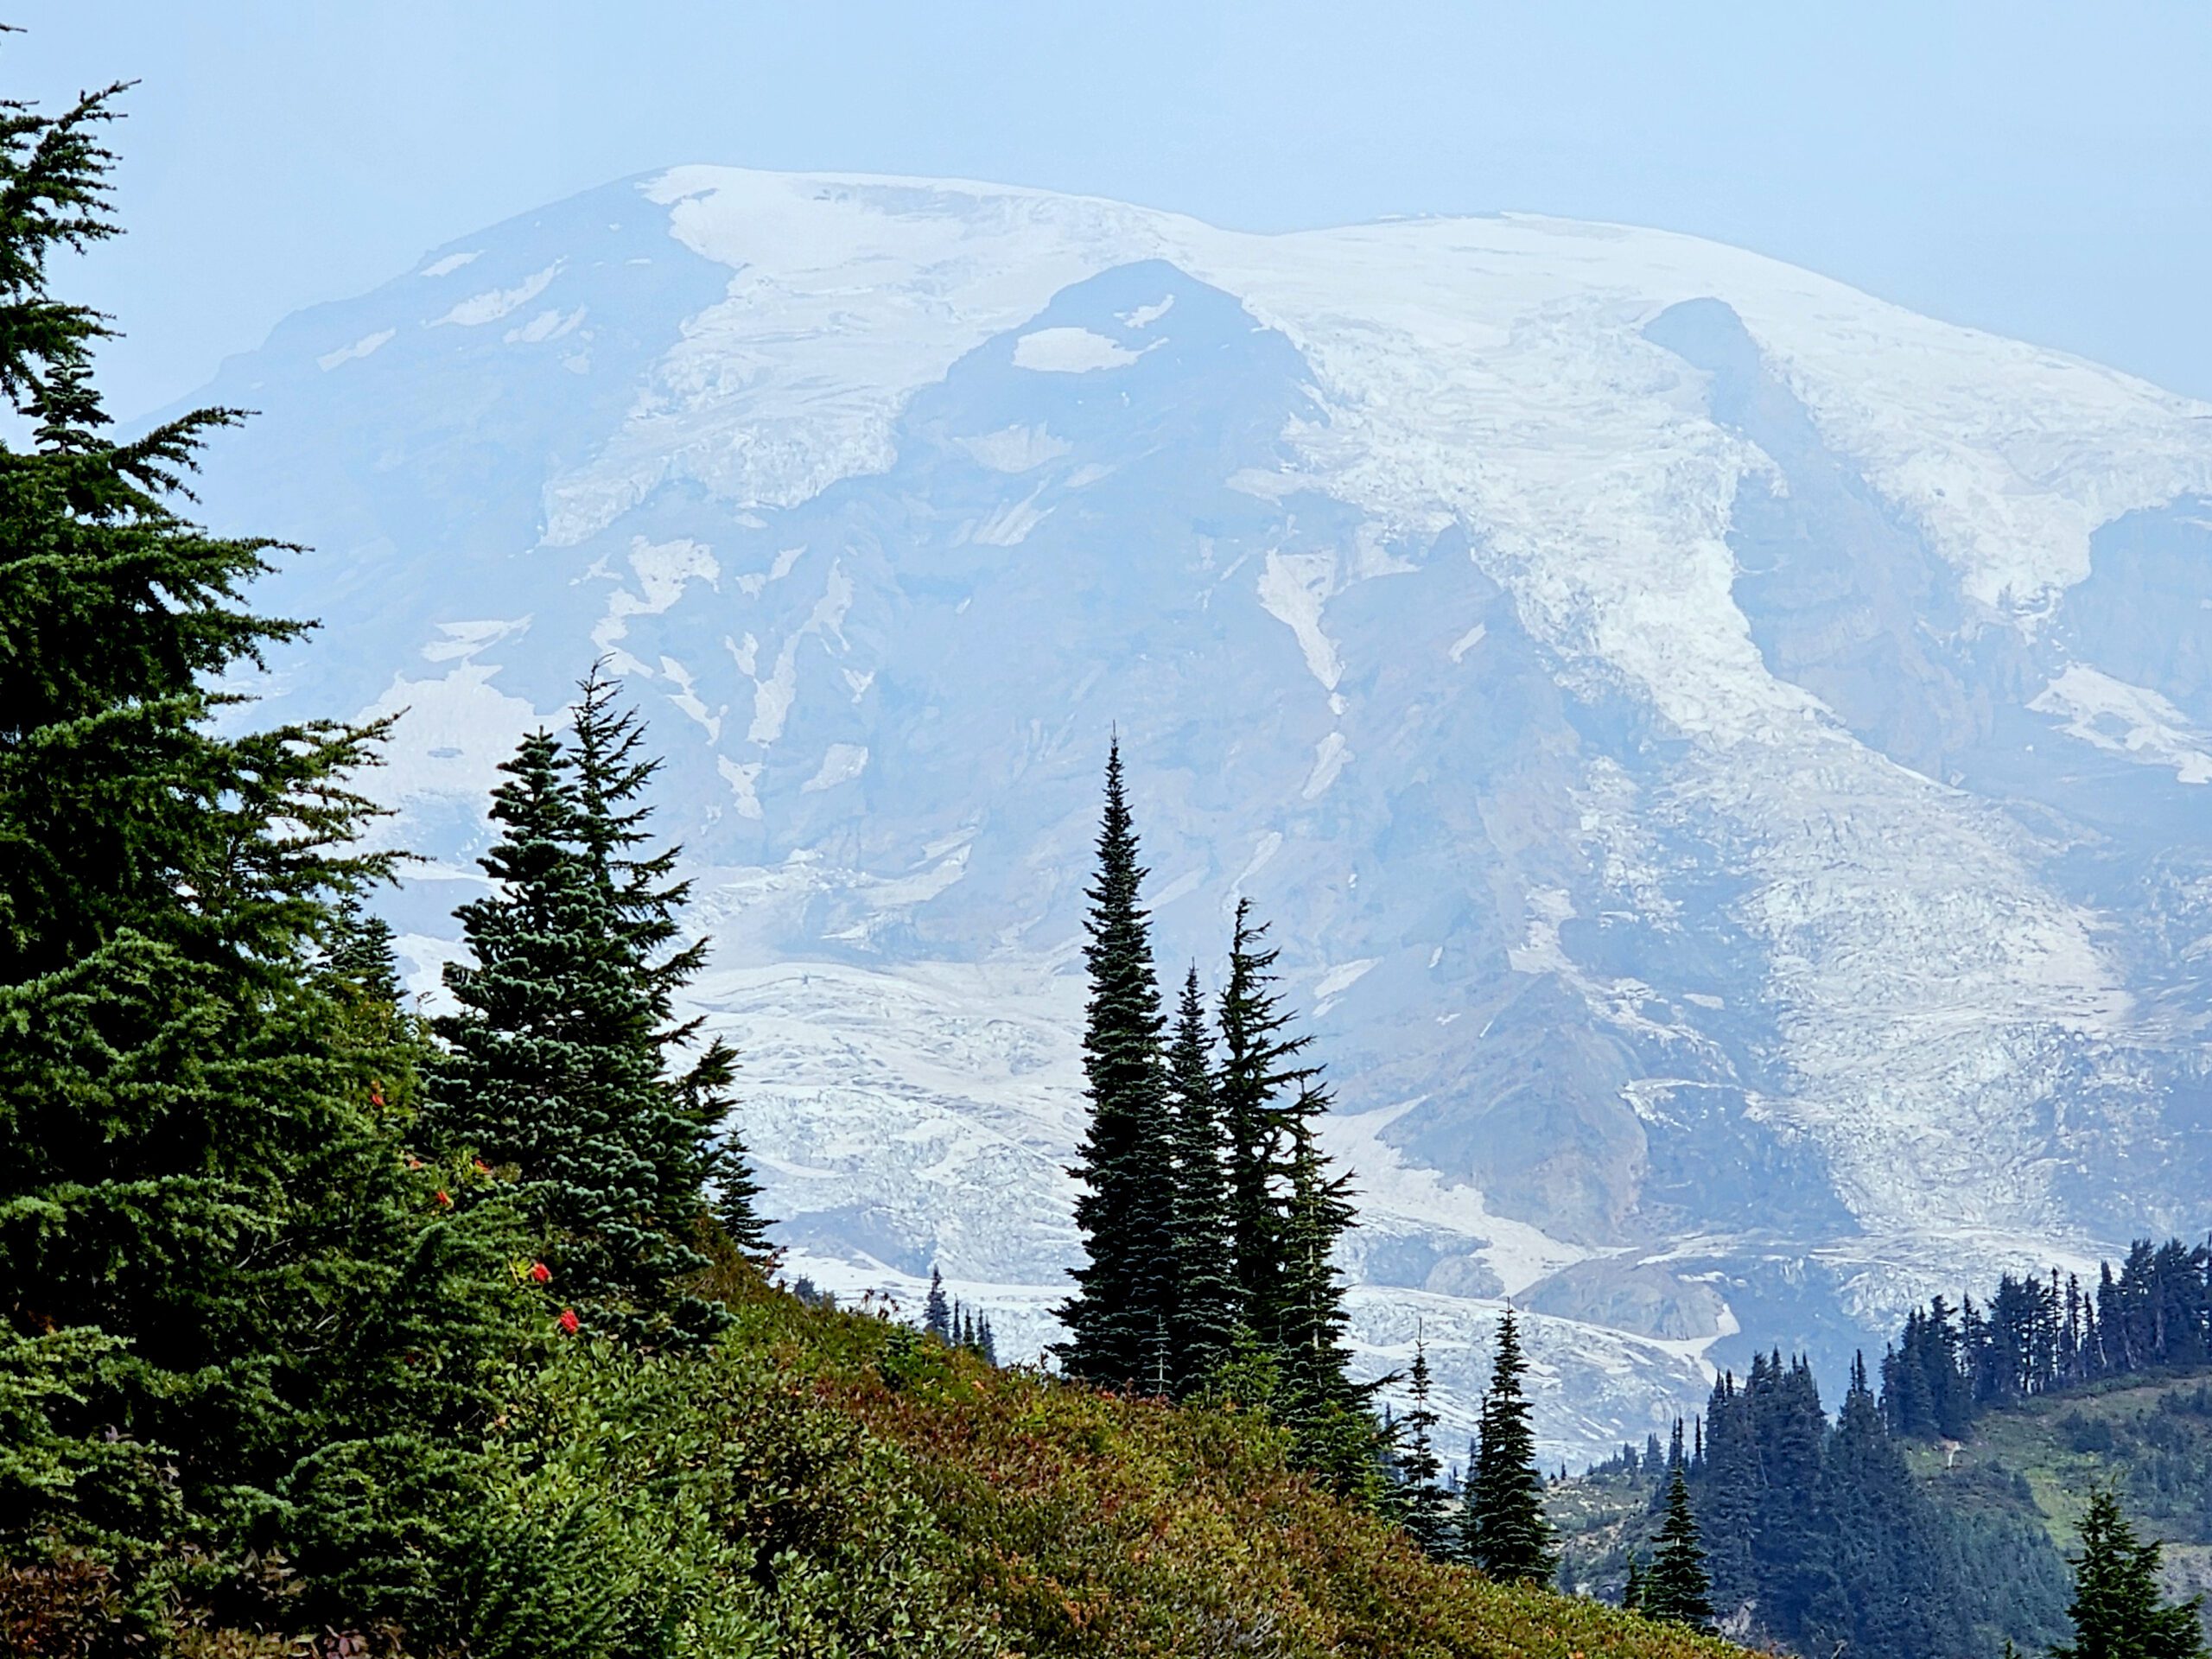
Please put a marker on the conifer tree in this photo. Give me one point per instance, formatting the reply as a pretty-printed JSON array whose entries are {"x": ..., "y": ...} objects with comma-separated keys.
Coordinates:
[
  {"x": 936, "y": 1315},
  {"x": 1258, "y": 1062},
  {"x": 1207, "y": 1299},
  {"x": 2118, "y": 1611},
  {"x": 1418, "y": 1465},
  {"x": 1503, "y": 1529},
  {"x": 690, "y": 1142},
  {"x": 1677, "y": 1587},
  {"x": 1632, "y": 1588},
  {"x": 1121, "y": 1319},
  {"x": 553, "y": 1068},
  {"x": 1316, "y": 1212},
  {"x": 228, "y": 1309}
]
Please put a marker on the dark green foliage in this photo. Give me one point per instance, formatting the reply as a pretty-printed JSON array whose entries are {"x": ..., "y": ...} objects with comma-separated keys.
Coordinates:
[
  {"x": 693, "y": 1144},
  {"x": 1258, "y": 1062},
  {"x": 1503, "y": 1527},
  {"x": 2039, "y": 1336},
  {"x": 936, "y": 1313},
  {"x": 2118, "y": 1611},
  {"x": 1421, "y": 1497},
  {"x": 552, "y": 1072},
  {"x": 1207, "y": 1305},
  {"x": 1676, "y": 1587},
  {"x": 233, "y": 1316},
  {"x": 1121, "y": 1321}
]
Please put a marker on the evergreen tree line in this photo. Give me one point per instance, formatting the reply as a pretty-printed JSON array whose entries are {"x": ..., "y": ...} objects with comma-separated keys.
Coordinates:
[
  {"x": 1208, "y": 1217},
  {"x": 1814, "y": 1533},
  {"x": 954, "y": 1326},
  {"x": 2037, "y": 1335}
]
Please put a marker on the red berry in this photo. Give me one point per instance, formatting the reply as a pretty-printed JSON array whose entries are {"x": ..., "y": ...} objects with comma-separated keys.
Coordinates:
[
  {"x": 568, "y": 1321},
  {"x": 539, "y": 1273}
]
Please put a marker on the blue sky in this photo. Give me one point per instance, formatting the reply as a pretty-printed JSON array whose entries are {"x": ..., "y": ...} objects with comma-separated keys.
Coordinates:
[{"x": 2040, "y": 170}]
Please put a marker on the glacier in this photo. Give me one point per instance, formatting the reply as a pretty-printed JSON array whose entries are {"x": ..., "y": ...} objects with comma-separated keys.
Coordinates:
[{"x": 1725, "y": 758}]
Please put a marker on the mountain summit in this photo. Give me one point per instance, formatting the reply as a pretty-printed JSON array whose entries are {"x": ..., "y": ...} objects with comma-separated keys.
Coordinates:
[{"x": 1726, "y": 759}]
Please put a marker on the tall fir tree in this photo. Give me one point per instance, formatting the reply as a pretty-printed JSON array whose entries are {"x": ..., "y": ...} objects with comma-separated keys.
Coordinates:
[
  {"x": 1208, "y": 1306},
  {"x": 1419, "y": 1470},
  {"x": 231, "y": 1312},
  {"x": 1122, "y": 1320},
  {"x": 692, "y": 1144},
  {"x": 1676, "y": 1587},
  {"x": 2119, "y": 1610},
  {"x": 1259, "y": 1063},
  {"x": 552, "y": 1068},
  {"x": 1503, "y": 1529}
]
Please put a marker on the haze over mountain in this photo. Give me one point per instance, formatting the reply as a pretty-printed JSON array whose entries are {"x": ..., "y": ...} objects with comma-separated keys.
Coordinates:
[{"x": 1726, "y": 759}]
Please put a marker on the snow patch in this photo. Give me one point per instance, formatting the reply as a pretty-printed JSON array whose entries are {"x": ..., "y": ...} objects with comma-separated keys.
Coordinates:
[
  {"x": 494, "y": 303},
  {"x": 840, "y": 764},
  {"x": 1016, "y": 449},
  {"x": 2129, "y": 720},
  {"x": 1071, "y": 350},
  {"x": 546, "y": 325},
  {"x": 451, "y": 263},
  {"x": 1293, "y": 587},
  {"x": 359, "y": 348},
  {"x": 1329, "y": 757}
]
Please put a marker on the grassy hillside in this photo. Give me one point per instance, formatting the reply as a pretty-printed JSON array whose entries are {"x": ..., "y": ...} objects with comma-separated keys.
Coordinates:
[
  {"x": 828, "y": 1482},
  {"x": 2151, "y": 1441}
]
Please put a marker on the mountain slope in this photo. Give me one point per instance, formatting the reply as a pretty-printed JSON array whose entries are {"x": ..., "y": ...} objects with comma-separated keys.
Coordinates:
[{"x": 1720, "y": 752}]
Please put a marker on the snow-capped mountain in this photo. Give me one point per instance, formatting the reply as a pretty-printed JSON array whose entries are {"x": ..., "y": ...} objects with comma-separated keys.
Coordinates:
[{"x": 1726, "y": 759}]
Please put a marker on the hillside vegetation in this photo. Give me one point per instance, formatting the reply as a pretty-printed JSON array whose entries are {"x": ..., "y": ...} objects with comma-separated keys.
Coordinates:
[
  {"x": 2149, "y": 1440},
  {"x": 835, "y": 1483}
]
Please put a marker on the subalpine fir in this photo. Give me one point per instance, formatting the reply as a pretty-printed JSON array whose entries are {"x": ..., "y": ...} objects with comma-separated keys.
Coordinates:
[
  {"x": 1421, "y": 1493},
  {"x": 552, "y": 1069},
  {"x": 233, "y": 1313},
  {"x": 1208, "y": 1307},
  {"x": 1258, "y": 1062},
  {"x": 1121, "y": 1321},
  {"x": 2120, "y": 1609},
  {"x": 1503, "y": 1529},
  {"x": 1676, "y": 1587},
  {"x": 691, "y": 1142}
]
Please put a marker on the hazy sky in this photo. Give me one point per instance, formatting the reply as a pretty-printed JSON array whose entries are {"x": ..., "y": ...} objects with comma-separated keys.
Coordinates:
[{"x": 2041, "y": 170}]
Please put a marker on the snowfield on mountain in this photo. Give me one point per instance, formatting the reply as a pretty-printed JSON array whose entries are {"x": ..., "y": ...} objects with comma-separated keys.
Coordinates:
[{"x": 1726, "y": 759}]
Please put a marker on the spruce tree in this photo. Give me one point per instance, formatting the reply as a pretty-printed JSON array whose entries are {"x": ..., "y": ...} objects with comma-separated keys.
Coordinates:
[
  {"x": 2118, "y": 1611},
  {"x": 1207, "y": 1301},
  {"x": 1632, "y": 1588},
  {"x": 1121, "y": 1321},
  {"x": 1677, "y": 1587},
  {"x": 231, "y": 1312},
  {"x": 1423, "y": 1495},
  {"x": 1503, "y": 1529}
]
